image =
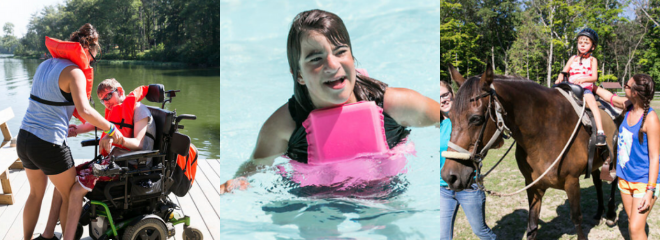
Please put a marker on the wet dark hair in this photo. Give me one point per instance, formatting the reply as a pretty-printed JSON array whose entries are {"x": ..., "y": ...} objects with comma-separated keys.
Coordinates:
[
  {"x": 87, "y": 36},
  {"x": 645, "y": 88},
  {"x": 332, "y": 27}
]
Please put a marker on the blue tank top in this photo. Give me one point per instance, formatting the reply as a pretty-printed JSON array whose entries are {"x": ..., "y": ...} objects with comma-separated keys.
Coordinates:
[
  {"x": 445, "y": 135},
  {"x": 50, "y": 123},
  {"x": 633, "y": 157}
]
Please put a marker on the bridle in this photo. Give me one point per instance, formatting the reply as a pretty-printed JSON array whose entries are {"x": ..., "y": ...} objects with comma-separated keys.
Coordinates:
[
  {"x": 477, "y": 158},
  {"x": 495, "y": 114}
]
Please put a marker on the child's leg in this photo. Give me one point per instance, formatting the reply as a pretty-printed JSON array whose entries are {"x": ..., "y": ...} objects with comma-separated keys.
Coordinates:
[
  {"x": 591, "y": 102},
  {"x": 53, "y": 216}
]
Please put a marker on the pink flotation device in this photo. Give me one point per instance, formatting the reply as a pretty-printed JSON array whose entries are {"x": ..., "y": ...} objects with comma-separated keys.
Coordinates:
[
  {"x": 347, "y": 145},
  {"x": 343, "y": 133}
]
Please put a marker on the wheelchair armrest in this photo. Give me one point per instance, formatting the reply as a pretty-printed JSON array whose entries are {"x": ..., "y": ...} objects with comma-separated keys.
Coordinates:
[
  {"x": 185, "y": 116},
  {"x": 90, "y": 142},
  {"x": 137, "y": 154}
]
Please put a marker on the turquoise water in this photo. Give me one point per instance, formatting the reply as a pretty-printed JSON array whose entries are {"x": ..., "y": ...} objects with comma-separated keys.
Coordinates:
[
  {"x": 198, "y": 96},
  {"x": 397, "y": 42}
]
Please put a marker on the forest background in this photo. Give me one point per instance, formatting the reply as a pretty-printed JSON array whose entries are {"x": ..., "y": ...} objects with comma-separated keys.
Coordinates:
[
  {"x": 186, "y": 31},
  {"x": 535, "y": 38}
]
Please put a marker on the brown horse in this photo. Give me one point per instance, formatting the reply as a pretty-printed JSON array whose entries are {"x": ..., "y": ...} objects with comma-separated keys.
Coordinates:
[{"x": 541, "y": 121}]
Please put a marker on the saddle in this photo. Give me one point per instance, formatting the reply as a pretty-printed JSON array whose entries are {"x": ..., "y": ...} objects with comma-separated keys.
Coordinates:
[{"x": 575, "y": 94}]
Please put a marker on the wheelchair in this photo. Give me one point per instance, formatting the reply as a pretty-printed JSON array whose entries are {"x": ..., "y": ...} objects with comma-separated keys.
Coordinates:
[{"x": 135, "y": 205}]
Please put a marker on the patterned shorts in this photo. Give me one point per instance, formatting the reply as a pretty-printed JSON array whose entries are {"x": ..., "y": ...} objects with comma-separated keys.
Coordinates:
[{"x": 636, "y": 189}]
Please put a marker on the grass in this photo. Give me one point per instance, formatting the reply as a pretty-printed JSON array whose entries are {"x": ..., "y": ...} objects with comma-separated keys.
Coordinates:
[{"x": 507, "y": 216}]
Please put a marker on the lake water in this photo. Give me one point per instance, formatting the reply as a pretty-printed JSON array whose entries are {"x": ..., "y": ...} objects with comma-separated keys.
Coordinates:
[{"x": 198, "y": 96}]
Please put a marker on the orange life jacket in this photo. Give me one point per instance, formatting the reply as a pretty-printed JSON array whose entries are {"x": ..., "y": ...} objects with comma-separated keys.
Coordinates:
[
  {"x": 75, "y": 53},
  {"x": 121, "y": 115},
  {"x": 184, "y": 173}
]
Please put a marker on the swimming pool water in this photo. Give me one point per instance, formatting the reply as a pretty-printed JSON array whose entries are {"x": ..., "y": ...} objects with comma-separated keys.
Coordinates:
[{"x": 396, "y": 42}]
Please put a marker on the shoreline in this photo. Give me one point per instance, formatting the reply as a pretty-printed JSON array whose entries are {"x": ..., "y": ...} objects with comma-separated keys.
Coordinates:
[{"x": 125, "y": 62}]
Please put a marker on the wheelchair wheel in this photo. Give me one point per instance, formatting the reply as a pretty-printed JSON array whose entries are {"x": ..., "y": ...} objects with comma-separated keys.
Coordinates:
[
  {"x": 152, "y": 229},
  {"x": 192, "y": 233}
]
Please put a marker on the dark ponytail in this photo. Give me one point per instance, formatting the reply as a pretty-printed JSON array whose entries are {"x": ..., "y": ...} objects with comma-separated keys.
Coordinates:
[
  {"x": 645, "y": 88},
  {"x": 87, "y": 36}
]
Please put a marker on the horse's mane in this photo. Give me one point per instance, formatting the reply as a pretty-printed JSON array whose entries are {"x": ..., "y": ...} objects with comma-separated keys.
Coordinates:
[{"x": 471, "y": 88}]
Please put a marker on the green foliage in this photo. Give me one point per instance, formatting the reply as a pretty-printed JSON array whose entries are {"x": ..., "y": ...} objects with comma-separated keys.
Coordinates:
[
  {"x": 170, "y": 31},
  {"x": 458, "y": 41},
  {"x": 650, "y": 59},
  {"x": 607, "y": 78},
  {"x": 524, "y": 37},
  {"x": 8, "y": 43}
]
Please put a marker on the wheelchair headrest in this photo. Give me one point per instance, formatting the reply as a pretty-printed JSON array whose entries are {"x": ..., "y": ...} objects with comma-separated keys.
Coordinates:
[
  {"x": 180, "y": 144},
  {"x": 156, "y": 93}
]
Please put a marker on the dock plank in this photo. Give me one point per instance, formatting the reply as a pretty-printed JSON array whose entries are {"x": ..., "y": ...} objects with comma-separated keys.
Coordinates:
[
  {"x": 199, "y": 204},
  {"x": 190, "y": 209},
  {"x": 21, "y": 188}
]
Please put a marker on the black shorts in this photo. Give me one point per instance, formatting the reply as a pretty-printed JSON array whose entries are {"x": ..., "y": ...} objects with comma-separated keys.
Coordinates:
[{"x": 35, "y": 153}]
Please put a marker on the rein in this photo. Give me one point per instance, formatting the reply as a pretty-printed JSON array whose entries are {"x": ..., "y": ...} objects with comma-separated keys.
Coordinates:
[{"x": 477, "y": 158}]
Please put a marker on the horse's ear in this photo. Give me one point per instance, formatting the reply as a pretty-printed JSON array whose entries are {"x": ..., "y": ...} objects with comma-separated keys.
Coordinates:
[
  {"x": 456, "y": 76},
  {"x": 487, "y": 77}
]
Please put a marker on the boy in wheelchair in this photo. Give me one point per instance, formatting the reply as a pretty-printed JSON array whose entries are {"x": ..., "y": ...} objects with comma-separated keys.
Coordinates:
[{"x": 135, "y": 122}]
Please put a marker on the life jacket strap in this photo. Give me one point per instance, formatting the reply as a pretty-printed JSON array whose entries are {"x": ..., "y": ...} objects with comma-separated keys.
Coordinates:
[
  {"x": 43, "y": 101},
  {"x": 122, "y": 124}
]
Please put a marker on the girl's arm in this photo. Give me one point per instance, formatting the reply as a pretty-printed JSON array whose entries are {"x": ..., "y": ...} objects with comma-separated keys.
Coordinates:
[
  {"x": 560, "y": 77},
  {"x": 272, "y": 142},
  {"x": 616, "y": 101},
  {"x": 652, "y": 130},
  {"x": 410, "y": 108}
]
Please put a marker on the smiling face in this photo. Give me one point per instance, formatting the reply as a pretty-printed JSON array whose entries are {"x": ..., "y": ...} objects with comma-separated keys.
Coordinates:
[
  {"x": 584, "y": 44},
  {"x": 326, "y": 70},
  {"x": 111, "y": 97},
  {"x": 446, "y": 99}
]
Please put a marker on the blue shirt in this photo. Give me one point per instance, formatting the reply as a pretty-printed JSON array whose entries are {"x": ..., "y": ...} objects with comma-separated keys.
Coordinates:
[
  {"x": 50, "y": 123},
  {"x": 445, "y": 134},
  {"x": 633, "y": 157}
]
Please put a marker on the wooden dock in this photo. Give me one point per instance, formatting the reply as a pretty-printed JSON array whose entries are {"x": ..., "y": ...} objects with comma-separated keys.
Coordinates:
[{"x": 202, "y": 204}]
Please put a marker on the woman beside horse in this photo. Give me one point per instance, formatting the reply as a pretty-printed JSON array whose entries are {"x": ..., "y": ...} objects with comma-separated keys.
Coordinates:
[
  {"x": 473, "y": 200},
  {"x": 638, "y": 158}
]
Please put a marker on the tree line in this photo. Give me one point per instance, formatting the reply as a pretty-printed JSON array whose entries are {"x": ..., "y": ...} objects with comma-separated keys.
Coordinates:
[
  {"x": 159, "y": 30},
  {"x": 535, "y": 38}
]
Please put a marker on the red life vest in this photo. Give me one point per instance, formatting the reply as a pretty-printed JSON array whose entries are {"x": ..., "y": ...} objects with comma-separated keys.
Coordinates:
[
  {"x": 75, "y": 53},
  {"x": 121, "y": 115}
]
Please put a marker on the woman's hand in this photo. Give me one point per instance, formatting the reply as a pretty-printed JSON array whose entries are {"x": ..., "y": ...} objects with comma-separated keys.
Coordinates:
[
  {"x": 73, "y": 130},
  {"x": 118, "y": 137},
  {"x": 106, "y": 143},
  {"x": 645, "y": 204},
  {"x": 240, "y": 183}
]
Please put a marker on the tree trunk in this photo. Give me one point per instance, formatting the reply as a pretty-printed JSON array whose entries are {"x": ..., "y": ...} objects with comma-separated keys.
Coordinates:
[
  {"x": 492, "y": 50},
  {"x": 548, "y": 79}
]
